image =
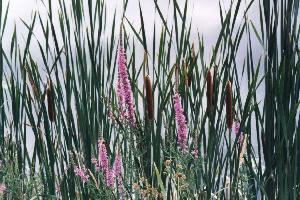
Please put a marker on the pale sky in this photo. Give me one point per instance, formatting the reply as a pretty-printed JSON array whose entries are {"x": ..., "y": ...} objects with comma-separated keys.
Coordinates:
[{"x": 204, "y": 15}]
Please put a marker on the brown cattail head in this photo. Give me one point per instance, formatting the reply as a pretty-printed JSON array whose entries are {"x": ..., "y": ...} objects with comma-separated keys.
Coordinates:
[
  {"x": 228, "y": 99},
  {"x": 209, "y": 92},
  {"x": 149, "y": 97},
  {"x": 50, "y": 99},
  {"x": 189, "y": 77}
]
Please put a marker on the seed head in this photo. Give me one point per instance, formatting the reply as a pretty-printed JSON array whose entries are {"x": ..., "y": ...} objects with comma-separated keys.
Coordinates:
[
  {"x": 149, "y": 97},
  {"x": 50, "y": 99},
  {"x": 228, "y": 99},
  {"x": 209, "y": 92}
]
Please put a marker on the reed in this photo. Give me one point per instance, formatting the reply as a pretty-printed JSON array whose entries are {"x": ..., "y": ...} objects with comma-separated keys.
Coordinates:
[
  {"x": 149, "y": 97},
  {"x": 50, "y": 148},
  {"x": 228, "y": 99},
  {"x": 50, "y": 100},
  {"x": 209, "y": 91}
]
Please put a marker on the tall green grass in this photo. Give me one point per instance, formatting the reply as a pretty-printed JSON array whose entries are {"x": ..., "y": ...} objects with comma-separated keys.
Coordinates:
[{"x": 80, "y": 59}]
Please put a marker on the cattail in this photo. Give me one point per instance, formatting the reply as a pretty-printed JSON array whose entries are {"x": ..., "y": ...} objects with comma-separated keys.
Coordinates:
[
  {"x": 189, "y": 77},
  {"x": 182, "y": 131},
  {"x": 50, "y": 98},
  {"x": 228, "y": 99},
  {"x": 149, "y": 97},
  {"x": 209, "y": 92}
]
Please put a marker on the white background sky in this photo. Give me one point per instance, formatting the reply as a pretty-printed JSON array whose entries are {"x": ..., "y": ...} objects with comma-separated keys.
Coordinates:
[{"x": 204, "y": 14}]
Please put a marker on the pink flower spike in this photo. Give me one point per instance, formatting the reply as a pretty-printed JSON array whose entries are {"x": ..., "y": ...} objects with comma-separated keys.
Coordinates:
[
  {"x": 103, "y": 158},
  {"x": 117, "y": 167},
  {"x": 195, "y": 153},
  {"x": 124, "y": 90},
  {"x": 96, "y": 164},
  {"x": 110, "y": 178},
  {"x": 82, "y": 173},
  {"x": 182, "y": 131},
  {"x": 2, "y": 188},
  {"x": 120, "y": 94},
  {"x": 236, "y": 128}
]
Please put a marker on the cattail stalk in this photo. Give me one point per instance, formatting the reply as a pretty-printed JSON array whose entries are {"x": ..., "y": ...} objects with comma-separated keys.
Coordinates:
[
  {"x": 50, "y": 99},
  {"x": 228, "y": 99},
  {"x": 149, "y": 97},
  {"x": 209, "y": 92}
]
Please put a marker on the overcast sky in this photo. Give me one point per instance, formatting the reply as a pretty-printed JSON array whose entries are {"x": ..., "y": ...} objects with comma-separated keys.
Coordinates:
[{"x": 204, "y": 14}]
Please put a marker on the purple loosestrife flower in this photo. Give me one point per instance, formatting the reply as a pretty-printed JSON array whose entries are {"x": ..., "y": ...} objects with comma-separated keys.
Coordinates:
[
  {"x": 236, "y": 128},
  {"x": 104, "y": 164},
  {"x": 110, "y": 178},
  {"x": 118, "y": 173},
  {"x": 182, "y": 130},
  {"x": 103, "y": 159},
  {"x": 96, "y": 164},
  {"x": 195, "y": 153},
  {"x": 2, "y": 188},
  {"x": 124, "y": 87},
  {"x": 82, "y": 173},
  {"x": 120, "y": 94}
]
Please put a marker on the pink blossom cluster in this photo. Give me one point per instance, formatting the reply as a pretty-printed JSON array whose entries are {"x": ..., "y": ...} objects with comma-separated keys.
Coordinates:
[
  {"x": 103, "y": 164},
  {"x": 195, "y": 153},
  {"x": 182, "y": 131},
  {"x": 2, "y": 188},
  {"x": 82, "y": 173},
  {"x": 124, "y": 91},
  {"x": 118, "y": 173},
  {"x": 236, "y": 128}
]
